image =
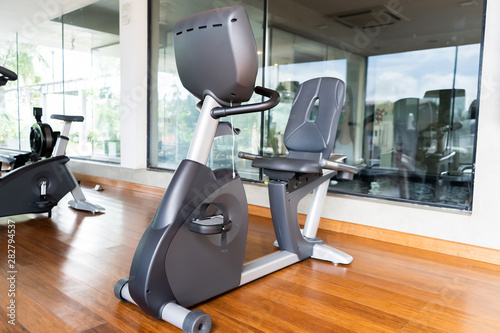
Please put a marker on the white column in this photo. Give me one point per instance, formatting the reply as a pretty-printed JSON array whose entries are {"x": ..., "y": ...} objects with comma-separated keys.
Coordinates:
[{"x": 133, "y": 67}]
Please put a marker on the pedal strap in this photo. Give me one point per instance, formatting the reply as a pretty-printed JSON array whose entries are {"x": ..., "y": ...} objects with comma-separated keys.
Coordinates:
[{"x": 214, "y": 224}]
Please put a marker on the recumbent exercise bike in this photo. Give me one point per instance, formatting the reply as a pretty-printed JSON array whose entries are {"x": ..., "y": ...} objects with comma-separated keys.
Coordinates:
[
  {"x": 194, "y": 247},
  {"x": 38, "y": 180}
]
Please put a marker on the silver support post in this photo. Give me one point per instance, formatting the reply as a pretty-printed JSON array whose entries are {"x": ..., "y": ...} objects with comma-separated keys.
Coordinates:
[
  {"x": 179, "y": 316},
  {"x": 62, "y": 142},
  {"x": 315, "y": 208},
  {"x": 204, "y": 133},
  {"x": 125, "y": 294},
  {"x": 79, "y": 201},
  {"x": 266, "y": 265},
  {"x": 327, "y": 253},
  {"x": 174, "y": 314}
]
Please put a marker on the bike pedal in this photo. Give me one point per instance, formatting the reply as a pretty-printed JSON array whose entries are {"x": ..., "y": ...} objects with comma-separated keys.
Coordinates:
[{"x": 210, "y": 226}]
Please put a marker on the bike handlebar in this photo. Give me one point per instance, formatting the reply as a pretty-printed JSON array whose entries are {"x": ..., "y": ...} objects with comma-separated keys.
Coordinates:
[
  {"x": 8, "y": 74},
  {"x": 274, "y": 99},
  {"x": 338, "y": 166}
]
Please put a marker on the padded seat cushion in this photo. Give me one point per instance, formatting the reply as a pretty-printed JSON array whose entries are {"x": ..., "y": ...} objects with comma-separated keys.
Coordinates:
[
  {"x": 78, "y": 119},
  {"x": 287, "y": 164}
]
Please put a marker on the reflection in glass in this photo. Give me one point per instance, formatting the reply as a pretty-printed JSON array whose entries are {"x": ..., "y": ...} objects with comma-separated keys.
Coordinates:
[
  {"x": 80, "y": 78},
  {"x": 411, "y": 71},
  {"x": 92, "y": 79},
  {"x": 173, "y": 113},
  {"x": 9, "y": 133},
  {"x": 411, "y": 100},
  {"x": 417, "y": 147}
]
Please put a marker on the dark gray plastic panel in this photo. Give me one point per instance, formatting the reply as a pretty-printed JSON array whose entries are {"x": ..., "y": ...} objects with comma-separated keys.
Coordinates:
[
  {"x": 284, "y": 205},
  {"x": 198, "y": 266},
  {"x": 225, "y": 128},
  {"x": 20, "y": 188},
  {"x": 148, "y": 280},
  {"x": 287, "y": 164},
  {"x": 62, "y": 117},
  {"x": 194, "y": 262},
  {"x": 318, "y": 135},
  {"x": 216, "y": 54}
]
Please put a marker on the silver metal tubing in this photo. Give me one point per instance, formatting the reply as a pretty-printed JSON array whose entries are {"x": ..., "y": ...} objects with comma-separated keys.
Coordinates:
[
  {"x": 266, "y": 265},
  {"x": 62, "y": 141},
  {"x": 125, "y": 294},
  {"x": 327, "y": 253},
  {"x": 79, "y": 201},
  {"x": 179, "y": 316},
  {"x": 338, "y": 166},
  {"x": 315, "y": 208},
  {"x": 248, "y": 156},
  {"x": 174, "y": 314},
  {"x": 204, "y": 133}
]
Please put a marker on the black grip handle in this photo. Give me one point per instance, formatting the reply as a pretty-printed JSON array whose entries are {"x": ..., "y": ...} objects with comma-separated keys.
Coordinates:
[
  {"x": 8, "y": 74},
  {"x": 248, "y": 156},
  {"x": 274, "y": 99}
]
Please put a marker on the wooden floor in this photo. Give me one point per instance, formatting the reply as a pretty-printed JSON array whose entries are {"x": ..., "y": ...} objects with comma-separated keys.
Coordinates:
[{"x": 67, "y": 267}]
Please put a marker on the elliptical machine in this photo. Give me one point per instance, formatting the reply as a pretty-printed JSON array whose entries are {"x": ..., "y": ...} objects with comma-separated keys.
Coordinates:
[
  {"x": 38, "y": 180},
  {"x": 194, "y": 247}
]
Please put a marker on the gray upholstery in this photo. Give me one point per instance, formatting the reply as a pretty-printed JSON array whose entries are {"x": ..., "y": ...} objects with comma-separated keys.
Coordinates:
[
  {"x": 318, "y": 136},
  {"x": 216, "y": 54},
  {"x": 310, "y": 131},
  {"x": 78, "y": 119},
  {"x": 287, "y": 164}
]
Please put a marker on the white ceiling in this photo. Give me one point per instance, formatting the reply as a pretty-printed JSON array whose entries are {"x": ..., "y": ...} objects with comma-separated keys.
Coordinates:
[
  {"x": 39, "y": 23},
  {"x": 25, "y": 15},
  {"x": 424, "y": 24}
]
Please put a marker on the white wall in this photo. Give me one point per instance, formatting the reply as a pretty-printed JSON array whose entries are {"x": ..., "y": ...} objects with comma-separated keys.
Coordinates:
[
  {"x": 133, "y": 67},
  {"x": 481, "y": 227}
]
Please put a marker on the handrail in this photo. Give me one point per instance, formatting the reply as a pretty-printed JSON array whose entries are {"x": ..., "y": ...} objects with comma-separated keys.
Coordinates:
[
  {"x": 338, "y": 166},
  {"x": 248, "y": 156},
  {"x": 274, "y": 99}
]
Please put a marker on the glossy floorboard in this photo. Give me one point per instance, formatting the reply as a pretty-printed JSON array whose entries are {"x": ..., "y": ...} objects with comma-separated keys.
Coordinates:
[{"x": 67, "y": 267}]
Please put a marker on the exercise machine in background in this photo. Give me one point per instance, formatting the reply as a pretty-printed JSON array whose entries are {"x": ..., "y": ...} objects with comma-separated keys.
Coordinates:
[
  {"x": 38, "y": 180},
  {"x": 194, "y": 247}
]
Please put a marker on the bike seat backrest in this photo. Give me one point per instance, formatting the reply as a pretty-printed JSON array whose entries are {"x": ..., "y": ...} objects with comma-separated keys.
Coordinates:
[
  {"x": 216, "y": 54},
  {"x": 312, "y": 125}
]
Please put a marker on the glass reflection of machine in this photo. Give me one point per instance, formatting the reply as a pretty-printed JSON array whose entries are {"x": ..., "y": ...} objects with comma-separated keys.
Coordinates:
[
  {"x": 426, "y": 137},
  {"x": 437, "y": 125}
]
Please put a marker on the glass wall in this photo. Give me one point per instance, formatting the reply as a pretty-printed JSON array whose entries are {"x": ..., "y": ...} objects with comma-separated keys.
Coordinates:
[
  {"x": 67, "y": 65},
  {"x": 9, "y": 125},
  {"x": 411, "y": 70},
  {"x": 38, "y": 63},
  {"x": 173, "y": 113}
]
